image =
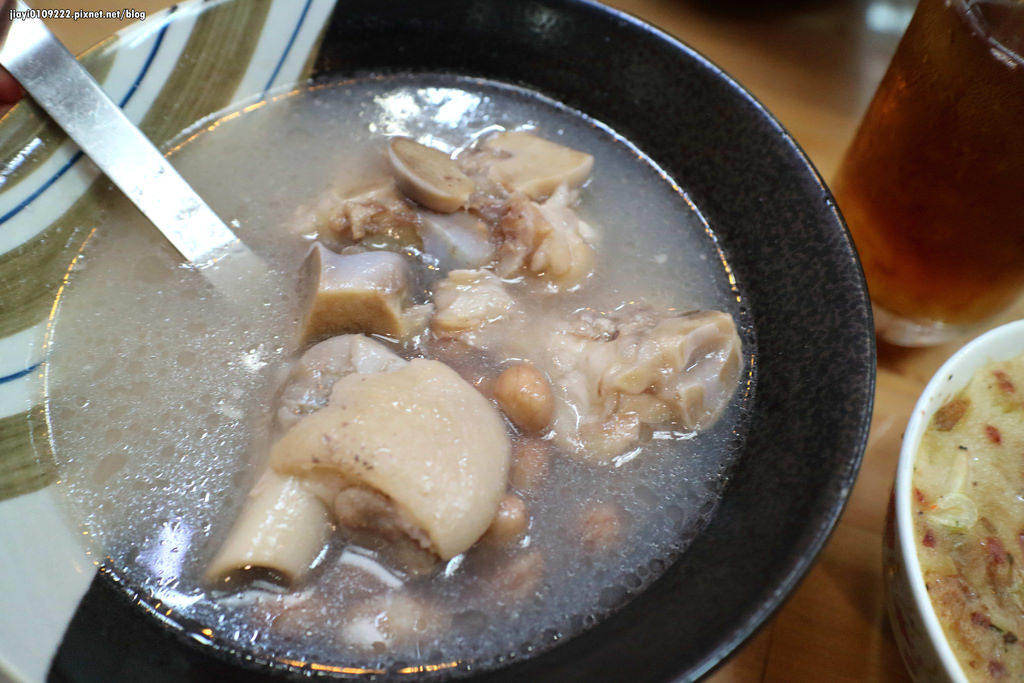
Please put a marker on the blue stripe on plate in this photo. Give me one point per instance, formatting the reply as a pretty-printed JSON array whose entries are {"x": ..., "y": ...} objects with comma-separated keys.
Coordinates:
[
  {"x": 149, "y": 60},
  {"x": 20, "y": 373},
  {"x": 42, "y": 188},
  {"x": 288, "y": 47},
  {"x": 78, "y": 155}
]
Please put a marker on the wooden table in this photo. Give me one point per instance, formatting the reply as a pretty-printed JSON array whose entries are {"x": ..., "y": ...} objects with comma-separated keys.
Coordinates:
[{"x": 814, "y": 64}]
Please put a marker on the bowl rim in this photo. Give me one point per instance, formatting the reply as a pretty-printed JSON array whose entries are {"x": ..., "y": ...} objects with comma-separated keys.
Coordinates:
[{"x": 1000, "y": 343}]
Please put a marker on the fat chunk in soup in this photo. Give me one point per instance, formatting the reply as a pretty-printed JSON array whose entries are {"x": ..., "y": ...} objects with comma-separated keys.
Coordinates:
[
  {"x": 376, "y": 209},
  {"x": 397, "y": 446},
  {"x": 421, "y": 436},
  {"x": 309, "y": 384},
  {"x": 546, "y": 239},
  {"x": 639, "y": 367},
  {"x": 468, "y": 305}
]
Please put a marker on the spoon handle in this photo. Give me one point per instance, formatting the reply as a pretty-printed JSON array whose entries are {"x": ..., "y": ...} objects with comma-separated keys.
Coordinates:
[{"x": 75, "y": 101}]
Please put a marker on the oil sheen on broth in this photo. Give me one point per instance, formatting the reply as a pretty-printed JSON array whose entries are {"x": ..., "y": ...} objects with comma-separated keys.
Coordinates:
[{"x": 162, "y": 392}]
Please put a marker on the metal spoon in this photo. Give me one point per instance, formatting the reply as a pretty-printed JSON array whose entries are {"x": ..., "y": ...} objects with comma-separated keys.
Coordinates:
[{"x": 75, "y": 101}]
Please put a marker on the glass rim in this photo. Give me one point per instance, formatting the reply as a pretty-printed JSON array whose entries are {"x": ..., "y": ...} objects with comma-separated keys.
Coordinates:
[{"x": 992, "y": 28}]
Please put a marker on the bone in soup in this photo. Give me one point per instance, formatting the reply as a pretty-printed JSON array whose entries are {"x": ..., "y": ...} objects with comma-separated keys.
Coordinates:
[{"x": 478, "y": 401}]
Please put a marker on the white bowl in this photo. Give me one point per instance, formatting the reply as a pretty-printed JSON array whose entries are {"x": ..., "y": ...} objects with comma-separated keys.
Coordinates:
[{"x": 922, "y": 643}]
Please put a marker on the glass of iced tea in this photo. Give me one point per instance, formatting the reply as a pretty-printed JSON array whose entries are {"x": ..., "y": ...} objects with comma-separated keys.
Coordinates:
[{"x": 932, "y": 186}]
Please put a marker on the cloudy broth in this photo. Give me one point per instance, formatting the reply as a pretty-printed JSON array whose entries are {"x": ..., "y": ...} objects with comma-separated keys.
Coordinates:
[{"x": 161, "y": 390}]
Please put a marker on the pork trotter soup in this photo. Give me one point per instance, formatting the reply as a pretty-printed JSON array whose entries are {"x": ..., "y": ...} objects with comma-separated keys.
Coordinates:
[{"x": 490, "y": 388}]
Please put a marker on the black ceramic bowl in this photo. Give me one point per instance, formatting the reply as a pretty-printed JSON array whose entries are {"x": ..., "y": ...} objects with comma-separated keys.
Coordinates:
[{"x": 807, "y": 322}]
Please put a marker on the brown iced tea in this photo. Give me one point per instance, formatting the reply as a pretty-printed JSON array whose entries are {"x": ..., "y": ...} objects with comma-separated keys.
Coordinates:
[{"x": 932, "y": 186}]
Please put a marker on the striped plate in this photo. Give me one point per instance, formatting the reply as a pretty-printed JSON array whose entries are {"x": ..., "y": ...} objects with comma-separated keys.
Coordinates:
[{"x": 168, "y": 72}]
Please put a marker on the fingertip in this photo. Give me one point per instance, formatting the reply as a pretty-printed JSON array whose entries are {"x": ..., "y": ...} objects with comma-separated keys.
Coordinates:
[{"x": 10, "y": 90}]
